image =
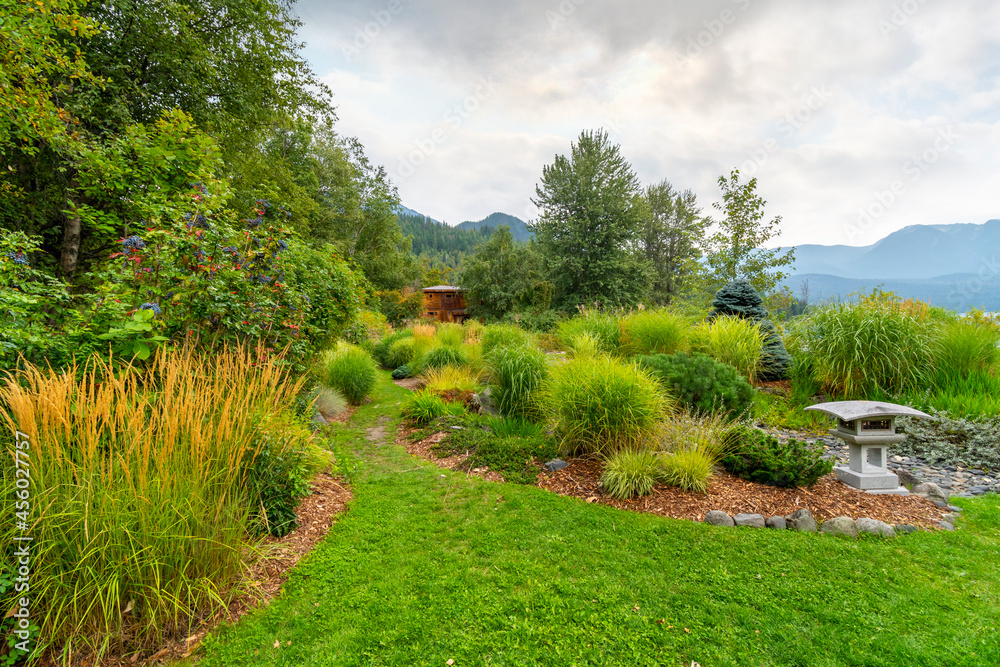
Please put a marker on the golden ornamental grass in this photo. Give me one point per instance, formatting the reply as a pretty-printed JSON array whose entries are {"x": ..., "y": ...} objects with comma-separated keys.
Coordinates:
[{"x": 139, "y": 514}]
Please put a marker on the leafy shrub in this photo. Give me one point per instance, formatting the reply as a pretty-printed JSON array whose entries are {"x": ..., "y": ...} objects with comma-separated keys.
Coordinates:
[
  {"x": 277, "y": 479},
  {"x": 451, "y": 334},
  {"x": 424, "y": 407},
  {"x": 402, "y": 372},
  {"x": 513, "y": 427},
  {"x": 369, "y": 326},
  {"x": 731, "y": 340},
  {"x": 629, "y": 473},
  {"x": 687, "y": 469},
  {"x": 602, "y": 326},
  {"x": 654, "y": 332},
  {"x": 350, "y": 370},
  {"x": 603, "y": 405},
  {"x": 860, "y": 350},
  {"x": 516, "y": 374},
  {"x": 537, "y": 320},
  {"x": 382, "y": 351},
  {"x": 760, "y": 457},
  {"x": 700, "y": 383},
  {"x": 503, "y": 335},
  {"x": 443, "y": 355}
]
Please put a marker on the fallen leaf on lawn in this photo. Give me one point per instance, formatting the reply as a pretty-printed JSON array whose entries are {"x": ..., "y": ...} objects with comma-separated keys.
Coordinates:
[
  {"x": 686, "y": 630},
  {"x": 635, "y": 608},
  {"x": 662, "y": 621},
  {"x": 277, "y": 643},
  {"x": 451, "y": 661}
]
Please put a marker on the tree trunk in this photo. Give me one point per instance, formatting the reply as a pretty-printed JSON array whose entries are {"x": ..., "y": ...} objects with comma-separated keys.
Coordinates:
[{"x": 72, "y": 228}]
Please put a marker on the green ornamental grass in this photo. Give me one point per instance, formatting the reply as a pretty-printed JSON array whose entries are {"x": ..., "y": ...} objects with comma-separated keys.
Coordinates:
[
  {"x": 503, "y": 335},
  {"x": 629, "y": 473},
  {"x": 863, "y": 350},
  {"x": 602, "y": 405},
  {"x": 350, "y": 370},
  {"x": 660, "y": 331},
  {"x": 731, "y": 340},
  {"x": 604, "y": 327},
  {"x": 516, "y": 374}
]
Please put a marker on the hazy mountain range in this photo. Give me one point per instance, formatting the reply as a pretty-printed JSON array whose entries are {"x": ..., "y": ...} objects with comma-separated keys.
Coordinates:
[{"x": 954, "y": 266}]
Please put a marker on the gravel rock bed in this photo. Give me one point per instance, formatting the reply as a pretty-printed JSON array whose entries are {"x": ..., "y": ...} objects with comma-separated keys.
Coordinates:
[{"x": 956, "y": 480}]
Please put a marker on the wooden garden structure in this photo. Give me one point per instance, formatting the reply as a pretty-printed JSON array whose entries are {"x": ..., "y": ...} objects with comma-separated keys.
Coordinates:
[{"x": 444, "y": 303}]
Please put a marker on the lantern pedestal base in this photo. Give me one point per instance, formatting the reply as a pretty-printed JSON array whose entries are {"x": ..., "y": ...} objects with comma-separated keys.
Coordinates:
[{"x": 869, "y": 481}]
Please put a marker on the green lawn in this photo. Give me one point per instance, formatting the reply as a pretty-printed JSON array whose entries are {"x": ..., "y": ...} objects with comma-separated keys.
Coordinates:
[{"x": 429, "y": 566}]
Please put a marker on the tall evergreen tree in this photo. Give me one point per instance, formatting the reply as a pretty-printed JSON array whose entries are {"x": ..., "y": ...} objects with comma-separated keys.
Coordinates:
[{"x": 590, "y": 224}]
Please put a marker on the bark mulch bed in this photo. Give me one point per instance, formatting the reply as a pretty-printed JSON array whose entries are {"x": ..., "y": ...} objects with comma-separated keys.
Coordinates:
[
  {"x": 828, "y": 498},
  {"x": 316, "y": 514}
]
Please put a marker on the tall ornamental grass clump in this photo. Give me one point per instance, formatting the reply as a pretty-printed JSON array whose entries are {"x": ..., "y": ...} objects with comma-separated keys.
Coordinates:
[
  {"x": 604, "y": 327},
  {"x": 516, "y": 375},
  {"x": 389, "y": 353},
  {"x": 601, "y": 405},
  {"x": 731, "y": 340},
  {"x": 866, "y": 349},
  {"x": 451, "y": 334},
  {"x": 502, "y": 335},
  {"x": 139, "y": 506},
  {"x": 350, "y": 370},
  {"x": 965, "y": 348},
  {"x": 654, "y": 332}
]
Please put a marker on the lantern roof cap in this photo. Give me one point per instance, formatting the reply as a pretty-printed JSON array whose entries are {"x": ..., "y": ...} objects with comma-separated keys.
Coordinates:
[{"x": 851, "y": 410}]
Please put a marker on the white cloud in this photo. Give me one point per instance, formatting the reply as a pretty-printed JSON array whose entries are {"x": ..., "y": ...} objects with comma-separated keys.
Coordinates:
[{"x": 824, "y": 102}]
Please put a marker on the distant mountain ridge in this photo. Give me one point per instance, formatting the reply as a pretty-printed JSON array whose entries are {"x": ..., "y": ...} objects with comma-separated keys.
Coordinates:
[
  {"x": 917, "y": 252},
  {"x": 518, "y": 228},
  {"x": 954, "y": 266}
]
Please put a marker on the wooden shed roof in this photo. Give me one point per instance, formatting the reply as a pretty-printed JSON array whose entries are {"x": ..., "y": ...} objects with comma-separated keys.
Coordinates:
[{"x": 442, "y": 288}]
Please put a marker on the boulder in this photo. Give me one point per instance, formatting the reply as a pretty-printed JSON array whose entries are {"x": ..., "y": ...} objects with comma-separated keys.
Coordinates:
[
  {"x": 946, "y": 526},
  {"x": 868, "y": 526},
  {"x": 777, "y": 522},
  {"x": 801, "y": 520},
  {"x": 905, "y": 528},
  {"x": 907, "y": 478},
  {"x": 555, "y": 464},
  {"x": 932, "y": 492},
  {"x": 840, "y": 525},
  {"x": 751, "y": 520},
  {"x": 719, "y": 518}
]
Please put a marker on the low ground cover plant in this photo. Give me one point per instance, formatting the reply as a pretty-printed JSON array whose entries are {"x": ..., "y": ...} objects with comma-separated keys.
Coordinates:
[
  {"x": 145, "y": 486},
  {"x": 760, "y": 457},
  {"x": 505, "y": 448},
  {"x": 701, "y": 384},
  {"x": 947, "y": 440},
  {"x": 601, "y": 405},
  {"x": 350, "y": 370}
]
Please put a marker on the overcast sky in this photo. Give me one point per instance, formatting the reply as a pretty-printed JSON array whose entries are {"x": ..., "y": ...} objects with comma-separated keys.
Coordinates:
[{"x": 857, "y": 117}]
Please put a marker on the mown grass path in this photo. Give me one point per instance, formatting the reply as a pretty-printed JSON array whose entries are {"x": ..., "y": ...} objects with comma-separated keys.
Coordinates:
[{"x": 430, "y": 565}]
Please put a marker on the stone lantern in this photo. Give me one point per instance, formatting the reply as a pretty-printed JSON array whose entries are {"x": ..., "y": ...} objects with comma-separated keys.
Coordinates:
[{"x": 868, "y": 427}]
